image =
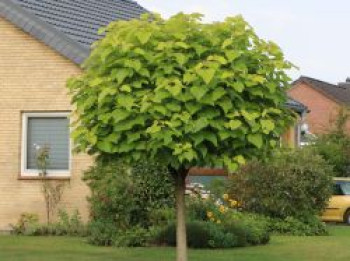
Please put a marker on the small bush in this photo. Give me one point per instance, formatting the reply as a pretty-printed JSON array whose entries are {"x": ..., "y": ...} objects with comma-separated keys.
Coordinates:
[
  {"x": 66, "y": 225},
  {"x": 334, "y": 145},
  {"x": 128, "y": 195},
  {"x": 25, "y": 224},
  {"x": 292, "y": 184},
  {"x": 102, "y": 233},
  {"x": 201, "y": 234},
  {"x": 133, "y": 237},
  {"x": 291, "y": 226}
]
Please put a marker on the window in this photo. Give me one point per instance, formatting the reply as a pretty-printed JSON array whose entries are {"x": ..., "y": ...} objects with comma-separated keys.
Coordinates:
[{"x": 46, "y": 130}]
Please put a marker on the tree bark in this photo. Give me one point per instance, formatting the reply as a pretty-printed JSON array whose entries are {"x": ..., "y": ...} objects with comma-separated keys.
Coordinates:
[{"x": 181, "y": 235}]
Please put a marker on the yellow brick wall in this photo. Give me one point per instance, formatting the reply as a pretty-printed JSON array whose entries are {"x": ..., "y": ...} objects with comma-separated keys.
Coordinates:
[{"x": 32, "y": 78}]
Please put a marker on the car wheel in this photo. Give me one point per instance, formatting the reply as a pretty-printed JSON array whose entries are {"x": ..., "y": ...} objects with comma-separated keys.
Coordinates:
[{"x": 347, "y": 217}]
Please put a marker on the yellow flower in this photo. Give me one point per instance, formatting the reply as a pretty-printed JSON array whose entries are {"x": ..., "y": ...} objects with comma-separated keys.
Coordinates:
[
  {"x": 212, "y": 219},
  {"x": 222, "y": 209},
  {"x": 218, "y": 221},
  {"x": 225, "y": 197},
  {"x": 210, "y": 214},
  {"x": 234, "y": 203}
]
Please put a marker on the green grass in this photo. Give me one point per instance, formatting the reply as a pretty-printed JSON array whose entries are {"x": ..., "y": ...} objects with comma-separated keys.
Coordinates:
[{"x": 335, "y": 248}]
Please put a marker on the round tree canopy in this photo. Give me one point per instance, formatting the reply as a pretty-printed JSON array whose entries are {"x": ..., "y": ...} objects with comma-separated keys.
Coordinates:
[{"x": 181, "y": 91}]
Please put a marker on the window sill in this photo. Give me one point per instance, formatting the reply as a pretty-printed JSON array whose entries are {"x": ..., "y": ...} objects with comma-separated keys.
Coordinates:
[{"x": 44, "y": 178}]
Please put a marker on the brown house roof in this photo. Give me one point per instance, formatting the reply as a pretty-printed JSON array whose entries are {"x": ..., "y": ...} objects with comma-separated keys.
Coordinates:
[{"x": 340, "y": 93}]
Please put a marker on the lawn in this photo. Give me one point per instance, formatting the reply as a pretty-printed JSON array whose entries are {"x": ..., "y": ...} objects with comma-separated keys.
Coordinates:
[{"x": 335, "y": 247}]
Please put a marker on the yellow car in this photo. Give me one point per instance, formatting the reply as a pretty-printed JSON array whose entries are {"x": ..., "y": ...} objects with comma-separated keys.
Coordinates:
[{"x": 338, "y": 209}]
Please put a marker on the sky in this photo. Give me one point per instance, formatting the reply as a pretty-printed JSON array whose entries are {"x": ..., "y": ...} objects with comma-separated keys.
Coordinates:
[{"x": 313, "y": 34}]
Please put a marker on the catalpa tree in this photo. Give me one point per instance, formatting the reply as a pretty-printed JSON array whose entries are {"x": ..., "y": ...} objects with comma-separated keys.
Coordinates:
[{"x": 182, "y": 92}]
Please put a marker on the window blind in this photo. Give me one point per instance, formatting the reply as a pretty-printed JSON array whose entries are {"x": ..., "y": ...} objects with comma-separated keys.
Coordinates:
[{"x": 52, "y": 133}]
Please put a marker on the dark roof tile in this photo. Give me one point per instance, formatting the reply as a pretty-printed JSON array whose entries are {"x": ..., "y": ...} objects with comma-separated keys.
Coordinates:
[
  {"x": 80, "y": 19},
  {"x": 67, "y": 23}
]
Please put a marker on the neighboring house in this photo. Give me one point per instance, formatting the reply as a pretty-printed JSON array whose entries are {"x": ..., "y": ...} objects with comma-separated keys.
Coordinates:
[
  {"x": 42, "y": 44},
  {"x": 324, "y": 101}
]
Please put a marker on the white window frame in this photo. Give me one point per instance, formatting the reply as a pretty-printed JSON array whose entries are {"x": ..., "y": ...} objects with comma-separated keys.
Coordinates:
[{"x": 35, "y": 173}]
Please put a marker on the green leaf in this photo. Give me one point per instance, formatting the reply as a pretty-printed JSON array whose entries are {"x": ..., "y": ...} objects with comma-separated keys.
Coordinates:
[
  {"x": 230, "y": 164},
  {"x": 126, "y": 101},
  {"x": 234, "y": 124},
  {"x": 193, "y": 107},
  {"x": 226, "y": 43},
  {"x": 97, "y": 81},
  {"x": 257, "y": 78},
  {"x": 161, "y": 109},
  {"x": 189, "y": 77},
  {"x": 121, "y": 75},
  {"x": 172, "y": 106},
  {"x": 133, "y": 136},
  {"x": 240, "y": 159},
  {"x": 256, "y": 140},
  {"x": 106, "y": 92},
  {"x": 105, "y": 146},
  {"x": 267, "y": 126},
  {"x": 218, "y": 93},
  {"x": 224, "y": 134},
  {"x": 217, "y": 58},
  {"x": 249, "y": 116},
  {"x": 154, "y": 128},
  {"x": 198, "y": 91},
  {"x": 200, "y": 124},
  {"x": 238, "y": 86},
  {"x": 125, "y": 88},
  {"x": 232, "y": 55},
  {"x": 143, "y": 36},
  {"x": 181, "y": 58},
  {"x": 206, "y": 74},
  {"x": 226, "y": 105},
  {"x": 134, "y": 64},
  {"x": 119, "y": 115},
  {"x": 209, "y": 136},
  {"x": 182, "y": 45}
]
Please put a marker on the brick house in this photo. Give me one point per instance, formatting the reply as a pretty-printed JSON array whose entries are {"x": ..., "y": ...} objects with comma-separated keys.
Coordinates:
[
  {"x": 323, "y": 99},
  {"x": 42, "y": 44}
]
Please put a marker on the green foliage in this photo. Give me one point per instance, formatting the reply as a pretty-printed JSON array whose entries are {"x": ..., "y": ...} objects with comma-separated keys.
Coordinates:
[
  {"x": 134, "y": 237},
  {"x": 66, "y": 225},
  {"x": 182, "y": 92},
  {"x": 296, "y": 183},
  {"x": 102, "y": 232},
  {"x": 334, "y": 145},
  {"x": 112, "y": 182},
  {"x": 210, "y": 235},
  {"x": 311, "y": 226},
  {"x": 127, "y": 199},
  {"x": 25, "y": 224}
]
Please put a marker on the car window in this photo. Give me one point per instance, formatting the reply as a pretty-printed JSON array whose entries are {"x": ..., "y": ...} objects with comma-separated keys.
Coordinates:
[
  {"x": 345, "y": 187},
  {"x": 337, "y": 190}
]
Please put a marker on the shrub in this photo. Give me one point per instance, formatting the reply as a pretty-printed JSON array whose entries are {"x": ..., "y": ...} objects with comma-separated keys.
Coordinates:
[
  {"x": 203, "y": 234},
  {"x": 102, "y": 233},
  {"x": 292, "y": 184},
  {"x": 128, "y": 195},
  {"x": 133, "y": 237},
  {"x": 334, "y": 146},
  {"x": 66, "y": 225},
  {"x": 128, "y": 200},
  {"x": 292, "y": 226},
  {"x": 25, "y": 224}
]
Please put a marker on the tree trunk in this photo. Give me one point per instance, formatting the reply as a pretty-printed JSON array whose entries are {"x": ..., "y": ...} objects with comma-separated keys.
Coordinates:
[{"x": 181, "y": 235}]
